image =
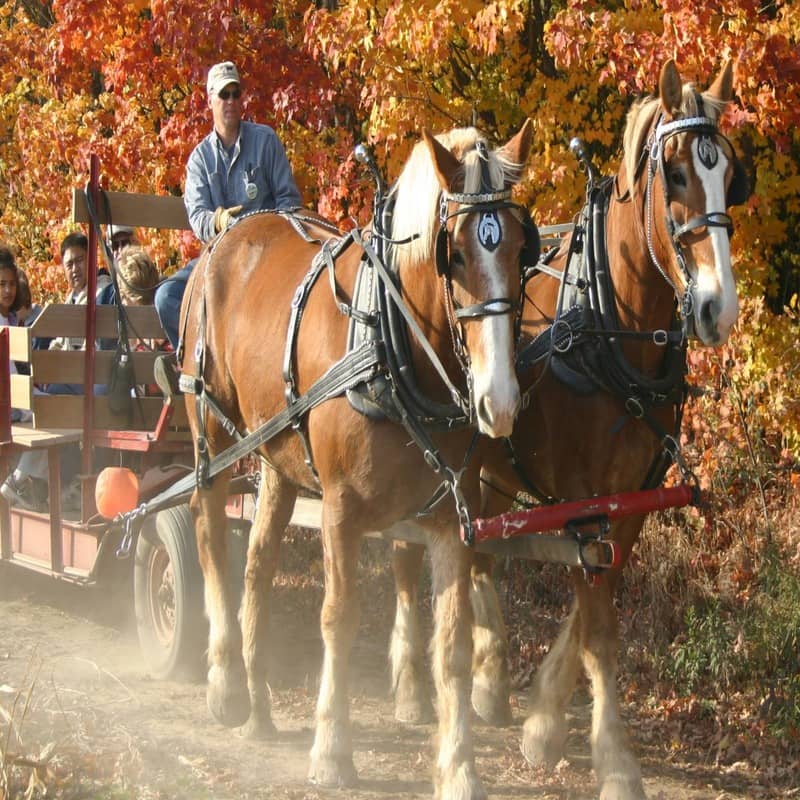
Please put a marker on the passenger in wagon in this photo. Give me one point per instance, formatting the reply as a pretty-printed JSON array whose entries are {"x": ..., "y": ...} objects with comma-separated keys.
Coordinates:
[
  {"x": 9, "y": 296},
  {"x": 237, "y": 168},
  {"x": 27, "y": 486},
  {"x": 28, "y": 310},
  {"x": 11, "y": 304},
  {"x": 119, "y": 236},
  {"x": 137, "y": 277},
  {"x": 74, "y": 257}
]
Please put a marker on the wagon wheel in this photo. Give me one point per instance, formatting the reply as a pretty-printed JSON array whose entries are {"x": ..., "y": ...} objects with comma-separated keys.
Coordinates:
[{"x": 168, "y": 596}]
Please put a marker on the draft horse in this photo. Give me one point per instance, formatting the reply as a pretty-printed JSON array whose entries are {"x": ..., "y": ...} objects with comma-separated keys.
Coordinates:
[
  {"x": 602, "y": 366},
  {"x": 263, "y": 334}
]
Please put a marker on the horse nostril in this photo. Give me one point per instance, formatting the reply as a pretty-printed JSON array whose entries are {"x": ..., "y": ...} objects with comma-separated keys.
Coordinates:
[
  {"x": 709, "y": 313},
  {"x": 484, "y": 412}
]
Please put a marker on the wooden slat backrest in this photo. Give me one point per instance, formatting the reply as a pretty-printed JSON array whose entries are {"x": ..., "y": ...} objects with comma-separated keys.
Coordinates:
[
  {"x": 62, "y": 319},
  {"x": 68, "y": 366},
  {"x": 136, "y": 210},
  {"x": 54, "y": 411}
]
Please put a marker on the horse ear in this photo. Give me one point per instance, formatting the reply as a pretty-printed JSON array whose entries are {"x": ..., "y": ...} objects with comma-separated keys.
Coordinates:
[
  {"x": 722, "y": 88},
  {"x": 445, "y": 163},
  {"x": 518, "y": 148},
  {"x": 670, "y": 88}
]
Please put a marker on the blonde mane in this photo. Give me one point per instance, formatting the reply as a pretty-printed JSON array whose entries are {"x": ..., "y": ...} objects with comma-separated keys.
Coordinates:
[
  {"x": 640, "y": 119},
  {"x": 417, "y": 191}
]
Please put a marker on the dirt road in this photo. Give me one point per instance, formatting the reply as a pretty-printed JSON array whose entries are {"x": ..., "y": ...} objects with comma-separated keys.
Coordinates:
[{"x": 105, "y": 729}]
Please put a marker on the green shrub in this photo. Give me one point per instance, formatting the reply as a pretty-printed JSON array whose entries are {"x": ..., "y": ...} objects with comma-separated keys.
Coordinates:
[{"x": 706, "y": 653}]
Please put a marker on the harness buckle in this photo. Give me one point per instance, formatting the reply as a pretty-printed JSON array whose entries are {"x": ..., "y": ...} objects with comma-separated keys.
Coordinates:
[
  {"x": 687, "y": 303},
  {"x": 634, "y": 407},
  {"x": 432, "y": 460},
  {"x": 577, "y": 529},
  {"x": 661, "y": 338},
  {"x": 443, "y": 200},
  {"x": 562, "y": 336},
  {"x": 655, "y": 149},
  {"x": 203, "y": 461}
]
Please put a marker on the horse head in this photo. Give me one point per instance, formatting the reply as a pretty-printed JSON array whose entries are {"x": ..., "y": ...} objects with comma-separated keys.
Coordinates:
[
  {"x": 684, "y": 175},
  {"x": 477, "y": 238}
]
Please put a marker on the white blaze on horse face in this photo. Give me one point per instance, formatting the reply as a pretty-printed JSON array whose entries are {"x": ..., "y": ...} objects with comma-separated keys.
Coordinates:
[
  {"x": 716, "y": 303},
  {"x": 495, "y": 387}
]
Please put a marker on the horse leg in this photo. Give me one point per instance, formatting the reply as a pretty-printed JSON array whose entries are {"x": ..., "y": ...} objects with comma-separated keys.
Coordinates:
[
  {"x": 615, "y": 765},
  {"x": 545, "y": 730},
  {"x": 491, "y": 684},
  {"x": 332, "y": 751},
  {"x": 455, "y": 776},
  {"x": 412, "y": 703},
  {"x": 276, "y": 499},
  {"x": 226, "y": 694},
  {"x": 490, "y": 679}
]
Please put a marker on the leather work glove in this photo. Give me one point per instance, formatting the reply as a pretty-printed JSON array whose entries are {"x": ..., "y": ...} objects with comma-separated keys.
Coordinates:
[{"x": 223, "y": 217}]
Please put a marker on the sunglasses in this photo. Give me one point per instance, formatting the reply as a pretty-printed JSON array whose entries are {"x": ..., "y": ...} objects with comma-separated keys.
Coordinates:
[{"x": 225, "y": 94}]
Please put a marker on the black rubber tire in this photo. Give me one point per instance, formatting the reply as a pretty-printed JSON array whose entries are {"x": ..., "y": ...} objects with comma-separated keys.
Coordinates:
[{"x": 168, "y": 596}]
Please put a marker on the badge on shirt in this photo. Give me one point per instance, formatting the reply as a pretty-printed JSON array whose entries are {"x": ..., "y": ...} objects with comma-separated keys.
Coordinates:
[{"x": 250, "y": 189}]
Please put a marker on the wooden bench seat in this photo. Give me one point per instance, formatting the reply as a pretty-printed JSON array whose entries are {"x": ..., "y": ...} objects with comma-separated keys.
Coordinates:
[{"x": 23, "y": 434}]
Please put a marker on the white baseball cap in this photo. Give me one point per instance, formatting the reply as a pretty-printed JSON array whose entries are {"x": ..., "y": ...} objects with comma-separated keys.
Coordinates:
[{"x": 220, "y": 75}]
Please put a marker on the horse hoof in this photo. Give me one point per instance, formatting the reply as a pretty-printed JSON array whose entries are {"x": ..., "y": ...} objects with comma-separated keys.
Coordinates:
[
  {"x": 618, "y": 787},
  {"x": 412, "y": 704},
  {"x": 463, "y": 784},
  {"x": 258, "y": 729},
  {"x": 543, "y": 741},
  {"x": 228, "y": 701},
  {"x": 413, "y": 713},
  {"x": 492, "y": 708},
  {"x": 333, "y": 773}
]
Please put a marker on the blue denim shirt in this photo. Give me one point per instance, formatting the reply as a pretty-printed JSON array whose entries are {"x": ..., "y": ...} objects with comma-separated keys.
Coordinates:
[{"x": 217, "y": 178}]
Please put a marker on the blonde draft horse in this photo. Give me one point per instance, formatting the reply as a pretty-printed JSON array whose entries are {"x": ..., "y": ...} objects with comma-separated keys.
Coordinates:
[
  {"x": 238, "y": 307},
  {"x": 667, "y": 238}
]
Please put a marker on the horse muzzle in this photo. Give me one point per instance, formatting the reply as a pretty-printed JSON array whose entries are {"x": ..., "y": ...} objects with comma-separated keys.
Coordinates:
[{"x": 497, "y": 411}]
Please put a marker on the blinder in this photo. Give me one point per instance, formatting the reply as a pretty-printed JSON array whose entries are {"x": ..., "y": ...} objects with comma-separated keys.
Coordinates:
[
  {"x": 533, "y": 246},
  {"x": 442, "y": 252},
  {"x": 740, "y": 188}
]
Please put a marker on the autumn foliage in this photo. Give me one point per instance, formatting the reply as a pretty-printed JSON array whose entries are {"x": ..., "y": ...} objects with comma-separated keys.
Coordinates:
[{"x": 126, "y": 80}]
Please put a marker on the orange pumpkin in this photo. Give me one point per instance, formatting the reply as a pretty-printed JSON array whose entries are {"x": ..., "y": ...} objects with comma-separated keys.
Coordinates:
[{"x": 116, "y": 491}]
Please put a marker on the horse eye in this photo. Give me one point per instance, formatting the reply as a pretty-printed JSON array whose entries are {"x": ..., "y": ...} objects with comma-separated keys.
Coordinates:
[
  {"x": 457, "y": 260},
  {"x": 677, "y": 178}
]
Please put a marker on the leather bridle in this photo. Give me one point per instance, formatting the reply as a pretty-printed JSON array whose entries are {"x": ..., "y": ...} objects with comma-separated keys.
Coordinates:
[{"x": 663, "y": 131}]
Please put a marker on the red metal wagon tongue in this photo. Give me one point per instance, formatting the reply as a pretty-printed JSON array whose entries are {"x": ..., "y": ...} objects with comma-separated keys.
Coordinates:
[{"x": 583, "y": 522}]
